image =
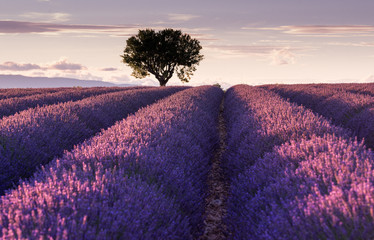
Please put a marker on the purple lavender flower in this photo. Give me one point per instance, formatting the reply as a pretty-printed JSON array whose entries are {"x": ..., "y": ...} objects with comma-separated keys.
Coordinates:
[
  {"x": 10, "y": 106},
  {"x": 312, "y": 181},
  {"x": 341, "y": 104},
  {"x": 34, "y": 137},
  {"x": 143, "y": 178}
]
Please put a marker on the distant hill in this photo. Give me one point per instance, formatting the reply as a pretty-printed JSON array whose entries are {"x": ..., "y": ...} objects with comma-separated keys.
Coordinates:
[{"x": 19, "y": 81}]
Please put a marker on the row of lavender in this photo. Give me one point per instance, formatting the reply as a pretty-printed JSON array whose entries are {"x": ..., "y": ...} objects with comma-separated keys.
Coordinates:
[
  {"x": 11, "y": 106},
  {"x": 37, "y": 135},
  {"x": 351, "y": 110},
  {"x": 361, "y": 88},
  {"x": 143, "y": 178},
  {"x": 293, "y": 174},
  {"x": 22, "y": 92}
]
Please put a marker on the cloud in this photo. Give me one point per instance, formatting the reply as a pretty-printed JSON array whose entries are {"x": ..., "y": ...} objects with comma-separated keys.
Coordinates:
[
  {"x": 109, "y": 69},
  {"x": 204, "y": 37},
  {"x": 241, "y": 49},
  {"x": 64, "y": 65},
  {"x": 328, "y": 29},
  {"x": 320, "y": 30},
  {"x": 12, "y": 66},
  {"x": 277, "y": 54},
  {"x": 38, "y": 27},
  {"x": 282, "y": 56},
  {"x": 47, "y": 17},
  {"x": 353, "y": 44},
  {"x": 250, "y": 49},
  {"x": 61, "y": 65},
  {"x": 367, "y": 79},
  {"x": 126, "y": 79},
  {"x": 181, "y": 17},
  {"x": 76, "y": 75}
]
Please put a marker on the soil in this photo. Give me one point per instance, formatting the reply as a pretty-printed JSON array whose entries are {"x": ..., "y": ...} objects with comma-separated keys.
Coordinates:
[{"x": 215, "y": 210}]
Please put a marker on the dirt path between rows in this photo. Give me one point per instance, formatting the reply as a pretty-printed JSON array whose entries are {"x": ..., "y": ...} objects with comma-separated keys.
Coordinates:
[{"x": 215, "y": 209}]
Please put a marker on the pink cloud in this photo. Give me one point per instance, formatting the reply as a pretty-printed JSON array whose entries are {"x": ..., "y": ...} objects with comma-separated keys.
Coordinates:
[
  {"x": 320, "y": 29},
  {"x": 181, "y": 17},
  {"x": 328, "y": 29},
  {"x": 108, "y": 69},
  {"x": 367, "y": 79},
  {"x": 12, "y": 66},
  {"x": 282, "y": 56},
  {"x": 242, "y": 49},
  {"x": 34, "y": 27},
  {"x": 251, "y": 49},
  {"x": 277, "y": 54},
  {"x": 354, "y": 44},
  {"x": 204, "y": 37},
  {"x": 63, "y": 64}
]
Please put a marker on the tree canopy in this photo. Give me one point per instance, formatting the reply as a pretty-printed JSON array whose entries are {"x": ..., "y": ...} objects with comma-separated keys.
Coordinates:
[{"x": 162, "y": 53}]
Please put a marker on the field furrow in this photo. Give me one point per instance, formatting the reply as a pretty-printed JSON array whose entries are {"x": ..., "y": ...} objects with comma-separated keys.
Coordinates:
[{"x": 215, "y": 201}]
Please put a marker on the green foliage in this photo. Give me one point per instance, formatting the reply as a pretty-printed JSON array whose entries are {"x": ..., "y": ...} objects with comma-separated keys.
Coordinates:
[
  {"x": 161, "y": 53},
  {"x": 217, "y": 85}
]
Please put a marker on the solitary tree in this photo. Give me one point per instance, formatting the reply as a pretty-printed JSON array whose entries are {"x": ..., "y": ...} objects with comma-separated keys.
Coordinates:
[{"x": 161, "y": 53}]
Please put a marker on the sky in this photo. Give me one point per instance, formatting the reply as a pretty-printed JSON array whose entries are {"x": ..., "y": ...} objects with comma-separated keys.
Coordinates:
[{"x": 243, "y": 41}]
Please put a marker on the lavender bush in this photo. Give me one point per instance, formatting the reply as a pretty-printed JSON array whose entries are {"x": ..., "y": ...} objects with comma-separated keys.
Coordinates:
[
  {"x": 22, "y": 92},
  {"x": 308, "y": 189},
  {"x": 34, "y": 137},
  {"x": 361, "y": 88},
  {"x": 164, "y": 148},
  {"x": 102, "y": 205},
  {"x": 310, "y": 184},
  {"x": 13, "y": 105},
  {"x": 257, "y": 120},
  {"x": 341, "y": 106}
]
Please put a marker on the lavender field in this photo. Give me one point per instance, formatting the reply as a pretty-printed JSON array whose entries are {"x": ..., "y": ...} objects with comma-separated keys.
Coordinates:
[{"x": 265, "y": 162}]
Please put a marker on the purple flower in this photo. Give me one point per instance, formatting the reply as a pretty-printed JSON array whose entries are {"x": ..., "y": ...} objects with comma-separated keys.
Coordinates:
[
  {"x": 297, "y": 176},
  {"x": 142, "y": 178},
  {"x": 34, "y": 137}
]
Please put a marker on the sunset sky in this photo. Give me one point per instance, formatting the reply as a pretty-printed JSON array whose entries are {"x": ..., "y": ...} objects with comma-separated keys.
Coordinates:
[{"x": 244, "y": 41}]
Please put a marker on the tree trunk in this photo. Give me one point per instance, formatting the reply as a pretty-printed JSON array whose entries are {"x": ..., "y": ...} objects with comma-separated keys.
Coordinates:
[{"x": 162, "y": 81}]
